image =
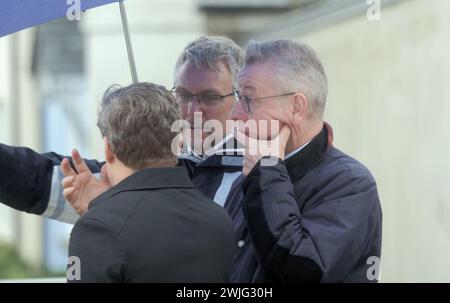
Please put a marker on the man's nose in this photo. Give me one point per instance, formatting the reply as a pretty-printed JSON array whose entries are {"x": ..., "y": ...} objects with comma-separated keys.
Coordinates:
[
  {"x": 238, "y": 112},
  {"x": 195, "y": 106}
]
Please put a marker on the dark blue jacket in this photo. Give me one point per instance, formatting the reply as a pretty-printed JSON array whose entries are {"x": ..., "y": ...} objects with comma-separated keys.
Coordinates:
[{"x": 314, "y": 217}]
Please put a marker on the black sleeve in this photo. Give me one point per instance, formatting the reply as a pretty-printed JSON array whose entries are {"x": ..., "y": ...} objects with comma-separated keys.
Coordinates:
[
  {"x": 99, "y": 251},
  {"x": 319, "y": 244},
  {"x": 26, "y": 177},
  {"x": 273, "y": 220}
]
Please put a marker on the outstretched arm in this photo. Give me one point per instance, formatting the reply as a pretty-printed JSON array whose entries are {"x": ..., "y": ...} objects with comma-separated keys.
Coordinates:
[{"x": 31, "y": 182}]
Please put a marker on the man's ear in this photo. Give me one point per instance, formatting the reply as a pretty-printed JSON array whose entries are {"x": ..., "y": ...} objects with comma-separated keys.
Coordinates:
[
  {"x": 109, "y": 155},
  {"x": 300, "y": 108}
]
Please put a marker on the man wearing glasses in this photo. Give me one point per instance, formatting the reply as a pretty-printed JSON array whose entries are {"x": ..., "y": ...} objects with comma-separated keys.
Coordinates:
[
  {"x": 205, "y": 78},
  {"x": 315, "y": 214}
]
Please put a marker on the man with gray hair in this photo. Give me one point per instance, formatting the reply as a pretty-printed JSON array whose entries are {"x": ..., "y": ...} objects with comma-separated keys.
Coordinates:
[
  {"x": 205, "y": 79},
  {"x": 315, "y": 215},
  {"x": 205, "y": 82},
  {"x": 296, "y": 229},
  {"x": 152, "y": 225}
]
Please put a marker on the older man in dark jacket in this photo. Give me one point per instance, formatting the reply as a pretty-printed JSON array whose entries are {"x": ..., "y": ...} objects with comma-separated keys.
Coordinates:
[
  {"x": 326, "y": 225},
  {"x": 313, "y": 214}
]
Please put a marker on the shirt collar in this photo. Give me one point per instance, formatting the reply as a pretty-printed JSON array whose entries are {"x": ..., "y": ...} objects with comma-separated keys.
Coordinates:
[
  {"x": 296, "y": 151},
  {"x": 228, "y": 147},
  {"x": 153, "y": 178},
  {"x": 313, "y": 152}
]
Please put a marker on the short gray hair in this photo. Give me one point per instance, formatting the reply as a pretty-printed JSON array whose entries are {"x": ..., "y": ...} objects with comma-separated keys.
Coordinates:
[
  {"x": 137, "y": 120},
  {"x": 208, "y": 52},
  {"x": 298, "y": 68}
]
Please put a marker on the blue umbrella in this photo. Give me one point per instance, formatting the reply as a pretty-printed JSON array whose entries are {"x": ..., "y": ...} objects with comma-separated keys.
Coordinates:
[{"x": 16, "y": 15}]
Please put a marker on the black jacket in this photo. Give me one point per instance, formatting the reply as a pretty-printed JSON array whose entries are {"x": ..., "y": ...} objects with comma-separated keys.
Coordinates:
[
  {"x": 315, "y": 217},
  {"x": 154, "y": 226},
  {"x": 320, "y": 189}
]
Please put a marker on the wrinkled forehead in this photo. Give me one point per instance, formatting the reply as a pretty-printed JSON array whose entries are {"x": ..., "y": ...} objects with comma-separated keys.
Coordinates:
[
  {"x": 258, "y": 76},
  {"x": 197, "y": 79}
]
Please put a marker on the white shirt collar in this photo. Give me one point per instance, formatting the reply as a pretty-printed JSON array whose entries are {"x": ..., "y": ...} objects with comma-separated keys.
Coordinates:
[
  {"x": 296, "y": 151},
  {"x": 217, "y": 149},
  {"x": 189, "y": 153}
]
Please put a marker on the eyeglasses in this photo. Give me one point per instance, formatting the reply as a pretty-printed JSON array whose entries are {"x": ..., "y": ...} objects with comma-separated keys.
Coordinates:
[
  {"x": 245, "y": 100},
  {"x": 209, "y": 99}
]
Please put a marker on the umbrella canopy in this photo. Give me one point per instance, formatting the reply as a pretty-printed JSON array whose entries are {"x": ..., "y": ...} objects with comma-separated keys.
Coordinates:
[{"x": 16, "y": 15}]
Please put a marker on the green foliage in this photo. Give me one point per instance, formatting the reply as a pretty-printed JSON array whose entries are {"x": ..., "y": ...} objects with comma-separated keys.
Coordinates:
[{"x": 13, "y": 267}]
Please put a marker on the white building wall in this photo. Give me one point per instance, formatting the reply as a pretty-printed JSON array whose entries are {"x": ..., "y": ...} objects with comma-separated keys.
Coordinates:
[{"x": 389, "y": 105}]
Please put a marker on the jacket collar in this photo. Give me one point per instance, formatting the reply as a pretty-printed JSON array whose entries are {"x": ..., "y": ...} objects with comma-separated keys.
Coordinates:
[
  {"x": 228, "y": 152},
  {"x": 298, "y": 164},
  {"x": 312, "y": 154},
  {"x": 153, "y": 178}
]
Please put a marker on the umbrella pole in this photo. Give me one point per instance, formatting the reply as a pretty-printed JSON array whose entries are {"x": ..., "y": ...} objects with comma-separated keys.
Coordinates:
[{"x": 128, "y": 42}]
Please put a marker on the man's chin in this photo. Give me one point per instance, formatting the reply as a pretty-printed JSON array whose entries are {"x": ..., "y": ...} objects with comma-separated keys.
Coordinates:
[
  {"x": 197, "y": 142},
  {"x": 261, "y": 136}
]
